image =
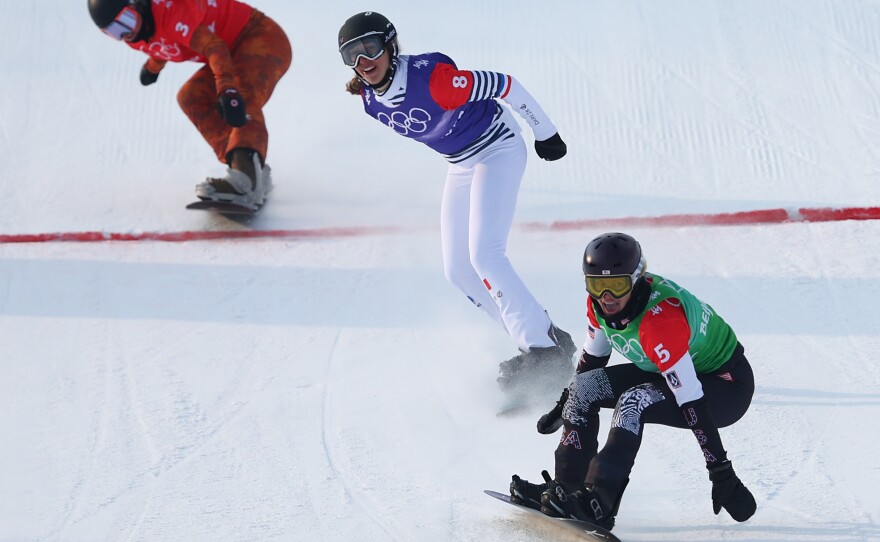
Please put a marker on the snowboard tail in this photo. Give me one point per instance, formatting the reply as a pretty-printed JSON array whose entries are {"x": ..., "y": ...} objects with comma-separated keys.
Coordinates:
[
  {"x": 223, "y": 208},
  {"x": 585, "y": 530}
]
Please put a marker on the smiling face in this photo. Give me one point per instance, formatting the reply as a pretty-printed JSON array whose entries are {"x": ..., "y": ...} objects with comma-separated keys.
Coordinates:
[{"x": 373, "y": 71}]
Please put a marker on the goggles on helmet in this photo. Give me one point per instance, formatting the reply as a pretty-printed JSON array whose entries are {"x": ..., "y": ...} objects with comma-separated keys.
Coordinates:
[
  {"x": 369, "y": 47},
  {"x": 125, "y": 23},
  {"x": 618, "y": 285}
]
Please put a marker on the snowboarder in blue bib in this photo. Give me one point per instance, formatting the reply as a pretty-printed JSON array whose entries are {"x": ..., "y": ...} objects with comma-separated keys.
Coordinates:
[
  {"x": 686, "y": 369},
  {"x": 461, "y": 115}
]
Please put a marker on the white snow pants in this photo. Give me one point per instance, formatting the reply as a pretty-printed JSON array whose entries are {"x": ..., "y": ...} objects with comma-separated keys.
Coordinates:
[{"x": 479, "y": 201}]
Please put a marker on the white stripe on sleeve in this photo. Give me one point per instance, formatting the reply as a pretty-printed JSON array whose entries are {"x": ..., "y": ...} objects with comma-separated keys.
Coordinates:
[{"x": 682, "y": 380}]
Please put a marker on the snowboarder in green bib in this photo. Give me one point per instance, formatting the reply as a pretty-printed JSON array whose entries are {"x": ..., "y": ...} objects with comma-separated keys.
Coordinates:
[{"x": 686, "y": 369}]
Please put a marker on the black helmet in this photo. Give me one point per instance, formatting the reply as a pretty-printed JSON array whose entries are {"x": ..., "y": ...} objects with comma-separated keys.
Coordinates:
[
  {"x": 613, "y": 262},
  {"x": 104, "y": 11},
  {"x": 366, "y": 24},
  {"x": 368, "y": 34}
]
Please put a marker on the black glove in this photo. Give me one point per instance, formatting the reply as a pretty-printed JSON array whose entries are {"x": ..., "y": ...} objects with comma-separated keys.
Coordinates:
[
  {"x": 551, "y": 149},
  {"x": 232, "y": 109},
  {"x": 148, "y": 77},
  {"x": 552, "y": 421},
  {"x": 729, "y": 492}
]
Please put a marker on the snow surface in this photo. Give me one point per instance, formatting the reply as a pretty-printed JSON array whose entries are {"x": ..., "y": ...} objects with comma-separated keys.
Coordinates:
[{"x": 338, "y": 388}]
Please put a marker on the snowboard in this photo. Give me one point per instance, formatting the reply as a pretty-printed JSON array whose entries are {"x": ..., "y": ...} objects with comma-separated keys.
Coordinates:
[
  {"x": 223, "y": 208},
  {"x": 529, "y": 401},
  {"x": 522, "y": 406},
  {"x": 585, "y": 530}
]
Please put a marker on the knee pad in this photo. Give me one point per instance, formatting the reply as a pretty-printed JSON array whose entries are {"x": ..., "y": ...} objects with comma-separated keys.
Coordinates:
[{"x": 632, "y": 403}]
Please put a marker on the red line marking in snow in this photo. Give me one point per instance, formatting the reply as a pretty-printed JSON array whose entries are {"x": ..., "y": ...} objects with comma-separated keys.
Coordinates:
[
  {"x": 211, "y": 235},
  {"x": 744, "y": 218}
]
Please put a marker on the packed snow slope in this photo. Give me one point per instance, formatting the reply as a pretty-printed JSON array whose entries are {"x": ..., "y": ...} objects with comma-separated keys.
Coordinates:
[{"x": 337, "y": 388}]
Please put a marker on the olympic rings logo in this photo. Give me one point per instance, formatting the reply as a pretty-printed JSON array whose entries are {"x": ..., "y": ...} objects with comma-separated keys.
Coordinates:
[
  {"x": 416, "y": 121},
  {"x": 162, "y": 50},
  {"x": 630, "y": 349}
]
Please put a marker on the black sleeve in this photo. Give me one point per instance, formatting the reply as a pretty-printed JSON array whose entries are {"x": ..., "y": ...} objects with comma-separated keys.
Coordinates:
[
  {"x": 588, "y": 362},
  {"x": 699, "y": 420}
]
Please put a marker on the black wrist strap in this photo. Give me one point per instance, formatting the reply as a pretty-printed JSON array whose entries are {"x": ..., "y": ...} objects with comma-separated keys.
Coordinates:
[
  {"x": 715, "y": 468},
  {"x": 589, "y": 362}
]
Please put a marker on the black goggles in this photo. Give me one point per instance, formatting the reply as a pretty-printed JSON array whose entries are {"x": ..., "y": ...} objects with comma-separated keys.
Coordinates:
[
  {"x": 617, "y": 285},
  {"x": 123, "y": 25},
  {"x": 369, "y": 47}
]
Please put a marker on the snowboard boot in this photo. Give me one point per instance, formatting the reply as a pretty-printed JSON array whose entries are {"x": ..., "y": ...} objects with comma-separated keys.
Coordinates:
[
  {"x": 590, "y": 503},
  {"x": 526, "y": 493},
  {"x": 246, "y": 183},
  {"x": 563, "y": 341},
  {"x": 541, "y": 368}
]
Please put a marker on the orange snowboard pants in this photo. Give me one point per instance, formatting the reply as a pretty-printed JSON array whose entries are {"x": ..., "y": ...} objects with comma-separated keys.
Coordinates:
[{"x": 261, "y": 56}]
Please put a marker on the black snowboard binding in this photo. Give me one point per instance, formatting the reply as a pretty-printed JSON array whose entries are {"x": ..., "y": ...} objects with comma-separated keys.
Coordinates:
[
  {"x": 526, "y": 493},
  {"x": 589, "y": 503}
]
